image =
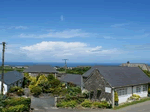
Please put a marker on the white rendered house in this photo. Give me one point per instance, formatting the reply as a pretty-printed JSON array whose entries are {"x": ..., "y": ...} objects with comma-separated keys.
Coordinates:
[{"x": 12, "y": 78}]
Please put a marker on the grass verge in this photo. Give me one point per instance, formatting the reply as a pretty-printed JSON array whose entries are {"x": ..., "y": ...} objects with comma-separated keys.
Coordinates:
[{"x": 131, "y": 103}]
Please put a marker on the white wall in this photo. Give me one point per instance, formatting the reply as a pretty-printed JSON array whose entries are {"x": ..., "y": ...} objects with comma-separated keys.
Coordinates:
[
  {"x": 5, "y": 88},
  {"x": 124, "y": 98}
]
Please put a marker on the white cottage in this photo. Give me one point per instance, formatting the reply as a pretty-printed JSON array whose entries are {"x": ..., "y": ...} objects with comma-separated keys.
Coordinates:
[
  {"x": 12, "y": 78},
  {"x": 102, "y": 81}
]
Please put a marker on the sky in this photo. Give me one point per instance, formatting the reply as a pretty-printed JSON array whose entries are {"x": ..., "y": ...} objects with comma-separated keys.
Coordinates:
[{"x": 92, "y": 31}]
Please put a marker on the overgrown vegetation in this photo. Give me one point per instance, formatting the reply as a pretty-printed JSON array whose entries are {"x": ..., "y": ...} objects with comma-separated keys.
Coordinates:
[
  {"x": 17, "y": 90},
  {"x": 14, "y": 104},
  {"x": 80, "y": 70}
]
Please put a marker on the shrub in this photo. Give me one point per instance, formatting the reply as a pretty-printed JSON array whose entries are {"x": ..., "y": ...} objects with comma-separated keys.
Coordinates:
[
  {"x": 41, "y": 79},
  {"x": 20, "y": 92},
  {"x": 86, "y": 94},
  {"x": 54, "y": 83},
  {"x": 17, "y": 101},
  {"x": 96, "y": 104},
  {"x": 149, "y": 90},
  {"x": 86, "y": 103},
  {"x": 17, "y": 108},
  {"x": 36, "y": 90},
  {"x": 134, "y": 97},
  {"x": 14, "y": 89},
  {"x": 73, "y": 91},
  {"x": 50, "y": 77},
  {"x": 116, "y": 97},
  {"x": 71, "y": 104}
]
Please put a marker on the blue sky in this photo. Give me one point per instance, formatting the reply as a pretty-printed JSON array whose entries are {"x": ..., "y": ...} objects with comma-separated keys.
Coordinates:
[{"x": 102, "y": 31}]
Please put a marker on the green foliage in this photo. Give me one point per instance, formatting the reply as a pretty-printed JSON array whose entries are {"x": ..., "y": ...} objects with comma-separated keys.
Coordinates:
[
  {"x": 80, "y": 70},
  {"x": 102, "y": 104},
  {"x": 149, "y": 90},
  {"x": 147, "y": 72},
  {"x": 17, "y": 101},
  {"x": 54, "y": 83},
  {"x": 41, "y": 79},
  {"x": 36, "y": 90},
  {"x": 18, "y": 90},
  {"x": 134, "y": 97},
  {"x": 86, "y": 103},
  {"x": 16, "y": 108},
  {"x": 116, "y": 97},
  {"x": 14, "y": 89},
  {"x": 50, "y": 77},
  {"x": 71, "y": 104},
  {"x": 73, "y": 91},
  {"x": 86, "y": 94}
]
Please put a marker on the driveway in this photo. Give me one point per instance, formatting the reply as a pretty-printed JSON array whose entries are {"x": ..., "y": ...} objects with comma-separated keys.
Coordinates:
[
  {"x": 44, "y": 103},
  {"x": 141, "y": 107}
]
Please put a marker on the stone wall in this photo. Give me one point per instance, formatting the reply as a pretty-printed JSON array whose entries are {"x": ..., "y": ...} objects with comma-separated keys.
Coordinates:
[
  {"x": 96, "y": 82},
  {"x": 143, "y": 66}
]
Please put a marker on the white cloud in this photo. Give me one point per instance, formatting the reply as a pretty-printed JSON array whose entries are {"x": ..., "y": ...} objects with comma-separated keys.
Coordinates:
[
  {"x": 60, "y": 34},
  {"x": 119, "y": 25},
  {"x": 61, "y": 17},
  {"x": 60, "y": 49}
]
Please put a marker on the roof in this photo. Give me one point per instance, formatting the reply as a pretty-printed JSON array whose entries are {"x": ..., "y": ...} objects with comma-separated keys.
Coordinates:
[
  {"x": 12, "y": 76},
  {"x": 40, "y": 68},
  {"x": 86, "y": 74},
  {"x": 74, "y": 78},
  {"x": 122, "y": 76}
]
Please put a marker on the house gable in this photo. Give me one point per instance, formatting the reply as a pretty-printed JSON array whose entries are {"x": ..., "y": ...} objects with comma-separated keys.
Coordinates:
[{"x": 97, "y": 82}]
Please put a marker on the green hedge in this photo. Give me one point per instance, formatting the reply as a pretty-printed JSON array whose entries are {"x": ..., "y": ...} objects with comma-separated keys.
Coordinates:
[
  {"x": 17, "y": 108},
  {"x": 17, "y": 101},
  {"x": 71, "y": 104}
]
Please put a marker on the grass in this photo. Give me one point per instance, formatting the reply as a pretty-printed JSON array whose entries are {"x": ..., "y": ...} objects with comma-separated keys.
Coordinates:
[{"x": 131, "y": 103}]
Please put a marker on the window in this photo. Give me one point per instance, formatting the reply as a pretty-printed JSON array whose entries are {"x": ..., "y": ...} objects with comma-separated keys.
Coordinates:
[
  {"x": 98, "y": 93},
  {"x": 144, "y": 87},
  {"x": 122, "y": 91},
  {"x": 91, "y": 94},
  {"x": 138, "y": 89}
]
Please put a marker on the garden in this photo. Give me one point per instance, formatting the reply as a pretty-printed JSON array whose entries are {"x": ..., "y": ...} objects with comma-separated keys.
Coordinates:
[{"x": 19, "y": 104}]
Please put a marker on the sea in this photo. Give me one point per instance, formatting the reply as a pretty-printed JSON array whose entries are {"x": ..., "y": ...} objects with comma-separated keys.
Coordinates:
[{"x": 60, "y": 64}]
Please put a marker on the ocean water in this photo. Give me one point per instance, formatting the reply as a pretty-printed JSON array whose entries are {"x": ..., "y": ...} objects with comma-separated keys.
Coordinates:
[{"x": 61, "y": 64}]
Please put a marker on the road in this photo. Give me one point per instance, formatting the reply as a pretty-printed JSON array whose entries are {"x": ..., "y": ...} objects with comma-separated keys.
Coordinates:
[{"x": 141, "y": 107}]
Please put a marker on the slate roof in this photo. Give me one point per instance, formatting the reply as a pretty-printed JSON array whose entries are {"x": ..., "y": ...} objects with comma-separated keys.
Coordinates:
[
  {"x": 12, "y": 76},
  {"x": 40, "y": 68},
  {"x": 122, "y": 76},
  {"x": 74, "y": 78},
  {"x": 86, "y": 74}
]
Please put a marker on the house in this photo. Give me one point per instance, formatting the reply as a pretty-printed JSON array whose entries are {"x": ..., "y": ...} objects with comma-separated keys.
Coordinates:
[
  {"x": 102, "y": 81},
  {"x": 40, "y": 69},
  {"x": 12, "y": 78},
  {"x": 73, "y": 78},
  {"x": 142, "y": 65}
]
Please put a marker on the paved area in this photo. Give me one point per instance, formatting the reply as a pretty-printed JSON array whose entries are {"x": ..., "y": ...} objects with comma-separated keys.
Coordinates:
[
  {"x": 44, "y": 103},
  {"x": 141, "y": 107}
]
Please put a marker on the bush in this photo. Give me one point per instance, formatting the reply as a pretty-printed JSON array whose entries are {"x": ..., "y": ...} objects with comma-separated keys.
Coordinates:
[
  {"x": 17, "y": 101},
  {"x": 50, "y": 77},
  {"x": 71, "y": 104},
  {"x": 17, "y": 108},
  {"x": 96, "y": 104},
  {"x": 36, "y": 90},
  {"x": 116, "y": 97},
  {"x": 54, "y": 83},
  {"x": 86, "y": 94},
  {"x": 73, "y": 91},
  {"x": 20, "y": 92},
  {"x": 149, "y": 90},
  {"x": 86, "y": 103},
  {"x": 41, "y": 79},
  {"x": 134, "y": 97},
  {"x": 14, "y": 89}
]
